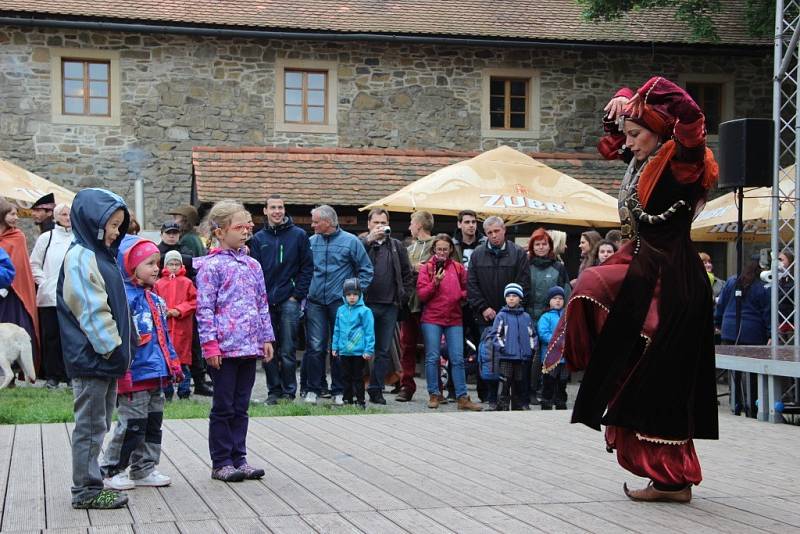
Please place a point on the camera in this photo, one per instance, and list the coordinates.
(439, 265)
(387, 231)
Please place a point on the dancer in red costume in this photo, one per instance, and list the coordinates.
(641, 323)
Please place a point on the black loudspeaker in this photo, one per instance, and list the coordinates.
(746, 153)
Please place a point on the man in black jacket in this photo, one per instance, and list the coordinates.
(491, 267)
(388, 293)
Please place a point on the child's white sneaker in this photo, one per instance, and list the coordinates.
(311, 398)
(338, 400)
(120, 481)
(155, 479)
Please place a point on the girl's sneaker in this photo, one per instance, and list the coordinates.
(250, 472)
(228, 473)
(120, 481)
(105, 500)
(154, 479)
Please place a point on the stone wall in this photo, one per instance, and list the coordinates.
(181, 91)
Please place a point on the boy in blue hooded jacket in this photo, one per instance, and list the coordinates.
(353, 340)
(515, 342)
(554, 383)
(95, 335)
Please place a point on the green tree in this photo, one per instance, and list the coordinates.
(697, 14)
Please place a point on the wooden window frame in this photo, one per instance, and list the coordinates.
(507, 102)
(331, 68)
(532, 129)
(86, 85)
(728, 95)
(304, 88)
(57, 58)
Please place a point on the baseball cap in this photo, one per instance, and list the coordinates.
(170, 226)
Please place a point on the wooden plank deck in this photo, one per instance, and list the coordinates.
(517, 472)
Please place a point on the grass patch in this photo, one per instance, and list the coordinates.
(22, 405)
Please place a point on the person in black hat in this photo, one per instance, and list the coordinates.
(170, 237)
(42, 211)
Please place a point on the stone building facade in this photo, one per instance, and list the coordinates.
(178, 91)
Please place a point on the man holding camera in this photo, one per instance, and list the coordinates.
(391, 285)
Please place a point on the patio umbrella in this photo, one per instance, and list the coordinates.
(718, 221)
(509, 184)
(23, 188)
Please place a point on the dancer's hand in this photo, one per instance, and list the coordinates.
(635, 106)
(615, 107)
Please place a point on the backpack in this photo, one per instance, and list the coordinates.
(487, 363)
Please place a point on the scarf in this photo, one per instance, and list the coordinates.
(14, 242)
(655, 167)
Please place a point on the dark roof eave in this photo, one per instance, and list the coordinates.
(18, 19)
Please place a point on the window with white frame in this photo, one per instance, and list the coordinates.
(305, 96)
(85, 86)
(510, 103)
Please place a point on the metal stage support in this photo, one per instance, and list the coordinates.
(786, 115)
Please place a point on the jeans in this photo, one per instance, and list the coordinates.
(320, 319)
(385, 316)
(281, 371)
(94, 403)
(454, 337)
(228, 421)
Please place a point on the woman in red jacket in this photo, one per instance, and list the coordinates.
(442, 289)
(181, 298)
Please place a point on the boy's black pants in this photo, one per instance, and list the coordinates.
(353, 378)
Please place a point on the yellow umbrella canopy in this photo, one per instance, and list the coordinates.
(509, 184)
(23, 188)
(718, 221)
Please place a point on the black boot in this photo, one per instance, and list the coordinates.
(376, 397)
(203, 390)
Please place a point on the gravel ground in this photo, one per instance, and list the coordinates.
(418, 404)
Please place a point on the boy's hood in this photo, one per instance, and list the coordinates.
(90, 212)
(357, 304)
(128, 240)
(166, 274)
(516, 310)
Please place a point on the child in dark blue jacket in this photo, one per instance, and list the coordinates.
(554, 383)
(353, 340)
(514, 341)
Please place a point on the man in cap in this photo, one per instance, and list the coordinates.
(42, 211)
(188, 218)
(170, 240)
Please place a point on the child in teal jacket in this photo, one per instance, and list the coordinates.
(353, 340)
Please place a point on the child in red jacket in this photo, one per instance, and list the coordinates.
(181, 297)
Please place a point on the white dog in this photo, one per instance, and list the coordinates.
(15, 346)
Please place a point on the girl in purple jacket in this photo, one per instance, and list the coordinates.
(235, 330)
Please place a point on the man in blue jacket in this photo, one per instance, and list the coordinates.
(338, 255)
(283, 251)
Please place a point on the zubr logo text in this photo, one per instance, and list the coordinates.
(519, 201)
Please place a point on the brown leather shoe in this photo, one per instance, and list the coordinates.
(442, 399)
(464, 403)
(651, 494)
(433, 402)
(404, 395)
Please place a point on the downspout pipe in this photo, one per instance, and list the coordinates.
(135, 27)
